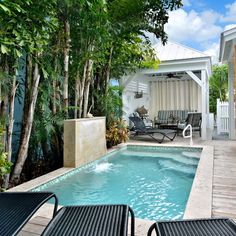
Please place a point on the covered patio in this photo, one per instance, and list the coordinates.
(181, 82)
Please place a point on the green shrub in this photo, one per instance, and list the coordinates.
(5, 165)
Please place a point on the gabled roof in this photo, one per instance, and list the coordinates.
(227, 41)
(175, 51)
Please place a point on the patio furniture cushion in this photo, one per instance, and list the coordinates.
(198, 227)
(165, 116)
(99, 220)
(16, 208)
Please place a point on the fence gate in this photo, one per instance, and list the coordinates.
(222, 117)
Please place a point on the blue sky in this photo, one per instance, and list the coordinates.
(199, 23)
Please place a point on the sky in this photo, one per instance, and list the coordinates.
(199, 23)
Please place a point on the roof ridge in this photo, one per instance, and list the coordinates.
(179, 44)
(176, 51)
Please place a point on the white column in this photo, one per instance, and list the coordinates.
(231, 101)
(204, 112)
(208, 95)
(209, 125)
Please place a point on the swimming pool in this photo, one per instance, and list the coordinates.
(154, 181)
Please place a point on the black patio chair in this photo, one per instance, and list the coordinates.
(141, 129)
(16, 208)
(96, 220)
(195, 120)
(198, 227)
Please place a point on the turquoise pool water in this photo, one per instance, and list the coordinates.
(155, 182)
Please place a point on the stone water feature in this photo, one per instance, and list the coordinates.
(84, 140)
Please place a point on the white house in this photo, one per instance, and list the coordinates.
(180, 83)
(228, 55)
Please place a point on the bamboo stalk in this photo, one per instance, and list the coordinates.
(23, 149)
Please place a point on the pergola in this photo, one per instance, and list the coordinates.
(228, 55)
(180, 82)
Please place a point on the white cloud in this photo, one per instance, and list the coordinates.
(213, 50)
(193, 26)
(230, 15)
(228, 27)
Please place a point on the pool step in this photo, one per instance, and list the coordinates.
(178, 167)
(177, 158)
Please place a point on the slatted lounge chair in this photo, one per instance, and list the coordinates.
(195, 120)
(92, 220)
(141, 129)
(16, 208)
(199, 227)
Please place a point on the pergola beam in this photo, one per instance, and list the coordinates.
(194, 77)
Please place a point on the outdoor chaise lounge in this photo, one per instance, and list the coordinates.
(141, 129)
(198, 227)
(16, 208)
(96, 220)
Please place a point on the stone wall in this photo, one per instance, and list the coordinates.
(84, 140)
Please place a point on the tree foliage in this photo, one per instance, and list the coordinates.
(71, 49)
(218, 84)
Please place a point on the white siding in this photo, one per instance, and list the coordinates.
(130, 103)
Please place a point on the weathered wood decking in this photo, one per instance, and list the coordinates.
(224, 189)
(224, 180)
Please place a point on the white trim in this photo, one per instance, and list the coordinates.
(194, 64)
(231, 102)
(194, 77)
(226, 43)
(204, 114)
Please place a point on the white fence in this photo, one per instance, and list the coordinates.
(222, 117)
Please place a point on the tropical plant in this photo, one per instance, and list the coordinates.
(5, 165)
(109, 105)
(69, 51)
(117, 132)
(218, 86)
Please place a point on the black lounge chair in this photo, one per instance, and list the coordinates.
(16, 208)
(141, 129)
(198, 227)
(92, 220)
(195, 120)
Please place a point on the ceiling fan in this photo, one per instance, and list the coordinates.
(173, 76)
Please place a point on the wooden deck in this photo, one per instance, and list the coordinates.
(224, 190)
(224, 181)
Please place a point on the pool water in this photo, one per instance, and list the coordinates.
(155, 183)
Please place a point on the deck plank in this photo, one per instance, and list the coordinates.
(224, 182)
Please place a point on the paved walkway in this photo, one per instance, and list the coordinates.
(224, 187)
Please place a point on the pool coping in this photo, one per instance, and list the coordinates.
(199, 203)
